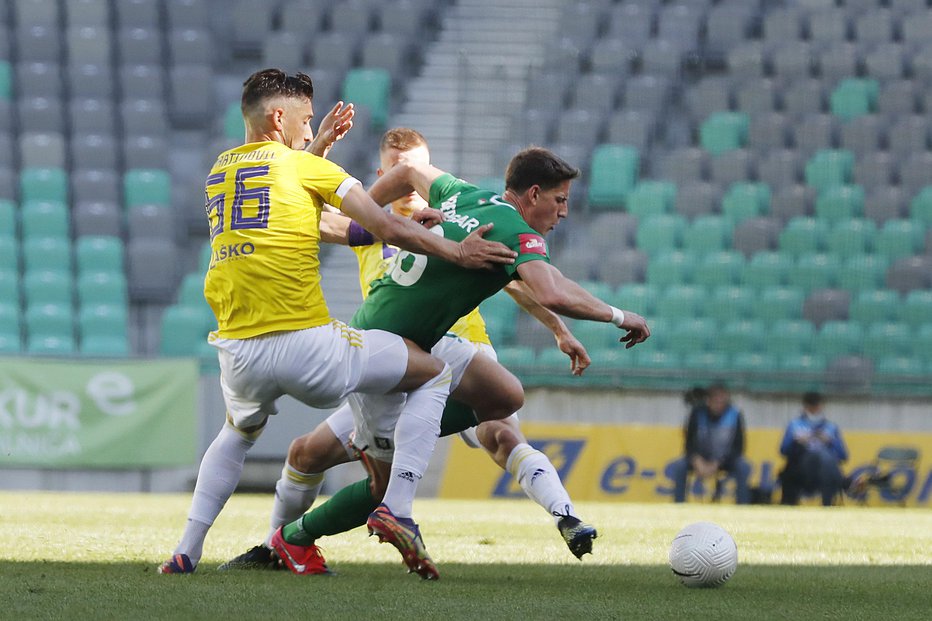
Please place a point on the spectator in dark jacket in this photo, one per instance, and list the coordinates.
(714, 444)
(814, 450)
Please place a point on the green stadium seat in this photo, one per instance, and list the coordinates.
(671, 268)
(500, 305)
(9, 285)
(916, 309)
(183, 329)
(839, 338)
(614, 357)
(613, 174)
(7, 219)
(556, 365)
(729, 303)
(746, 200)
(10, 343)
(866, 271)
(720, 269)
(492, 184)
(45, 219)
(661, 369)
(768, 269)
(105, 346)
(920, 207)
(191, 293)
(851, 237)
(724, 131)
(233, 126)
(814, 271)
(6, 80)
(500, 329)
(902, 375)
(840, 203)
(828, 168)
(640, 298)
(802, 363)
(516, 356)
(680, 301)
(691, 335)
(43, 184)
(96, 288)
(791, 336)
(778, 303)
(660, 233)
(595, 335)
(742, 335)
(660, 328)
(147, 186)
(55, 320)
(203, 262)
(600, 290)
(47, 287)
(761, 363)
(888, 338)
(47, 253)
(103, 320)
(99, 254)
(9, 253)
(854, 97)
(708, 234)
(899, 238)
(11, 319)
(803, 235)
(922, 344)
(50, 345)
(871, 306)
(651, 198)
(712, 362)
(371, 88)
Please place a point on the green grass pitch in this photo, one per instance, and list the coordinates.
(94, 556)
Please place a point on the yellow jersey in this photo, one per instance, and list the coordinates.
(374, 261)
(264, 201)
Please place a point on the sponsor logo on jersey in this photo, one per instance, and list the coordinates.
(231, 251)
(532, 244)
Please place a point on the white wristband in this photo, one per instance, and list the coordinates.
(618, 316)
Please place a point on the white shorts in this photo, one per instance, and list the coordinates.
(375, 416)
(318, 366)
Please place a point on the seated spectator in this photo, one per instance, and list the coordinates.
(714, 444)
(814, 450)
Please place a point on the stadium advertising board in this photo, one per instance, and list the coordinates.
(632, 463)
(70, 413)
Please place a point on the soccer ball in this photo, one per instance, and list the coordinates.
(703, 555)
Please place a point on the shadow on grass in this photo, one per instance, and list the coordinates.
(50, 590)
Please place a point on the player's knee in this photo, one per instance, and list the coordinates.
(305, 456)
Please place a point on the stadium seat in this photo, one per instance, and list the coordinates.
(742, 335)
(780, 167)
(768, 269)
(101, 288)
(152, 269)
(680, 302)
(516, 356)
(140, 13)
(719, 269)
(916, 309)
(839, 203)
(863, 135)
(814, 271)
(691, 334)
(837, 61)
(48, 319)
(191, 96)
(139, 47)
(43, 184)
(829, 168)
(660, 233)
(854, 97)
(650, 198)
(899, 239)
(46, 253)
(888, 338)
(802, 363)
(99, 254)
(103, 320)
(775, 303)
(44, 219)
(874, 169)
(183, 328)
(803, 236)
(746, 200)
(8, 218)
(708, 234)
(851, 237)
(641, 298)
(729, 303)
(146, 187)
(370, 88)
(105, 346)
(910, 273)
(885, 202)
(95, 185)
(613, 174)
(861, 272)
(724, 131)
(93, 151)
(671, 268)
(814, 132)
(839, 338)
(871, 306)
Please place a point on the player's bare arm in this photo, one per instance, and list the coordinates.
(568, 344)
(473, 252)
(561, 295)
(333, 127)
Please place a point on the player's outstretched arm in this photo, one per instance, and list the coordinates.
(568, 344)
(334, 126)
(561, 295)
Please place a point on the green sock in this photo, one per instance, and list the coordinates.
(347, 509)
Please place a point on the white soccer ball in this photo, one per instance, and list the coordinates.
(703, 555)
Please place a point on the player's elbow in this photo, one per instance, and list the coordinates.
(553, 300)
(390, 229)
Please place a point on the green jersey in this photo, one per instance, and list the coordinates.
(420, 297)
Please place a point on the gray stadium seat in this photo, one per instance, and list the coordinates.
(152, 269)
(900, 7)
(728, 25)
(195, 14)
(768, 131)
(780, 167)
(849, 374)
(42, 150)
(547, 91)
(681, 23)
(632, 23)
(710, 95)
(91, 116)
(139, 46)
(190, 45)
(783, 23)
(908, 135)
(731, 167)
(88, 45)
(93, 151)
(144, 117)
(887, 61)
(35, 79)
(747, 60)
(334, 50)
(563, 56)
(387, 51)
(38, 114)
(697, 198)
(596, 92)
(815, 132)
(90, 81)
(897, 98)
(145, 152)
(631, 127)
(826, 305)
(623, 266)
(534, 126)
(191, 94)
(152, 222)
(142, 81)
(661, 56)
(873, 169)
(910, 273)
(8, 184)
(758, 96)
(37, 13)
(137, 13)
(883, 203)
(580, 22)
(283, 49)
(756, 235)
(917, 29)
(838, 61)
(7, 151)
(404, 18)
(251, 22)
(328, 85)
(647, 92)
(353, 17)
(609, 231)
(874, 27)
(793, 60)
(862, 135)
(89, 186)
(611, 54)
(87, 13)
(828, 25)
(792, 201)
(682, 165)
(802, 97)
(39, 44)
(914, 172)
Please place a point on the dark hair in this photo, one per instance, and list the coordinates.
(274, 83)
(716, 388)
(402, 138)
(812, 399)
(537, 166)
(694, 396)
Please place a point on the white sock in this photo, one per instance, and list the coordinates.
(416, 436)
(539, 480)
(295, 492)
(217, 477)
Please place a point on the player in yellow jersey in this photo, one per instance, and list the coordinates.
(274, 334)
(464, 349)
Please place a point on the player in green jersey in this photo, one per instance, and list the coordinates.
(536, 197)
